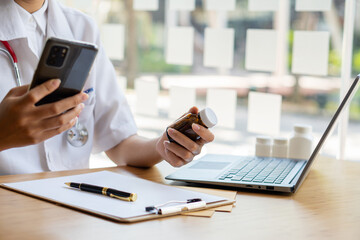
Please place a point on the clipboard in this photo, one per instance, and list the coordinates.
(149, 194)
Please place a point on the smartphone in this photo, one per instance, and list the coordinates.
(69, 61)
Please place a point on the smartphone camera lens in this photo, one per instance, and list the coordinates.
(57, 56)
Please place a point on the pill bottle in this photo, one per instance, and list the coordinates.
(300, 144)
(280, 148)
(263, 146)
(206, 118)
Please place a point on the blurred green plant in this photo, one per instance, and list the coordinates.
(290, 53)
(332, 105)
(334, 63)
(150, 54)
(151, 60)
(356, 62)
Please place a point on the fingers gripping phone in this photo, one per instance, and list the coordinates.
(69, 61)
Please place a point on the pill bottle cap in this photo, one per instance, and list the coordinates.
(208, 117)
(280, 141)
(263, 140)
(302, 128)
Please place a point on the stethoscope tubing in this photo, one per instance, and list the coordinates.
(14, 63)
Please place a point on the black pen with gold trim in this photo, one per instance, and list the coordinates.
(125, 196)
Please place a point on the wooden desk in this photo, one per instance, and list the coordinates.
(327, 206)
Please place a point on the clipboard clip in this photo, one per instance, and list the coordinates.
(190, 204)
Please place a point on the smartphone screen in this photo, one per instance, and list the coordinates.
(70, 62)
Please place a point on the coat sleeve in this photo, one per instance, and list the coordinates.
(113, 120)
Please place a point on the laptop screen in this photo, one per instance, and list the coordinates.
(344, 103)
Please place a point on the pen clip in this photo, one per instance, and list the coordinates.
(121, 198)
(132, 197)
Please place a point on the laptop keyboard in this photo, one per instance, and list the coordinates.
(260, 170)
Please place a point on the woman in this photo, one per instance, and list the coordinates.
(33, 139)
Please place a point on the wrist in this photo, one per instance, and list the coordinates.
(160, 148)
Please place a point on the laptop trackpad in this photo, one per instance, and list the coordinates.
(210, 165)
(207, 168)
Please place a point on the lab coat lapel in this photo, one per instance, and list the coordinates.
(11, 26)
(58, 25)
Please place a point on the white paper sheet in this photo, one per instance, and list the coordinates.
(181, 100)
(311, 53)
(219, 47)
(149, 193)
(147, 91)
(312, 5)
(223, 102)
(182, 5)
(264, 113)
(220, 5)
(180, 45)
(113, 39)
(263, 5)
(261, 46)
(146, 5)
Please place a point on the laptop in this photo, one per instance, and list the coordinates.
(262, 173)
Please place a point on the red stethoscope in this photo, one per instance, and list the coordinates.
(12, 56)
(78, 135)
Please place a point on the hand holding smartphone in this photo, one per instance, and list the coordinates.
(69, 61)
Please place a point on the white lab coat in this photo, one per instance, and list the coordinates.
(106, 114)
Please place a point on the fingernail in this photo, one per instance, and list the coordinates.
(73, 121)
(56, 82)
(166, 143)
(84, 96)
(195, 126)
(82, 106)
(195, 153)
(171, 130)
